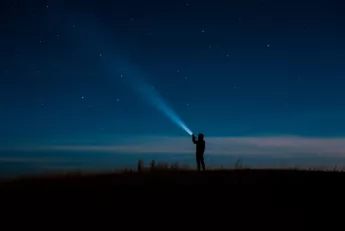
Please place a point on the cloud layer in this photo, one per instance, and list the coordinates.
(268, 146)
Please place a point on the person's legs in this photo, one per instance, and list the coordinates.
(202, 162)
(198, 161)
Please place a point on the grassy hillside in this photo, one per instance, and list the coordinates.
(238, 198)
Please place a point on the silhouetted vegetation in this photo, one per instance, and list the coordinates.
(175, 167)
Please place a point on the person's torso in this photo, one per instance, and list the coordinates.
(200, 147)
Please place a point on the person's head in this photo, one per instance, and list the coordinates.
(201, 136)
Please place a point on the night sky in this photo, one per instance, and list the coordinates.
(261, 79)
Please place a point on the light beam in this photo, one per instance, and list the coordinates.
(121, 61)
(135, 80)
(158, 102)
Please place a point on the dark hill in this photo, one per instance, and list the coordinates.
(281, 199)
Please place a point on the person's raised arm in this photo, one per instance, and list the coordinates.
(194, 139)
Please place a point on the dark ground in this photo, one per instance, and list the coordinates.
(245, 199)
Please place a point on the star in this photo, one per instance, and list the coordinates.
(57, 35)
(202, 31)
(268, 45)
(187, 104)
(73, 26)
(227, 55)
(178, 71)
(41, 41)
(41, 105)
(186, 77)
(47, 6)
(209, 46)
(100, 55)
(187, 4)
(118, 100)
(82, 97)
(90, 105)
(121, 76)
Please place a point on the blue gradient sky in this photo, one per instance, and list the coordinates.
(258, 78)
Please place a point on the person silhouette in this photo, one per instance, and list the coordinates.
(200, 149)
